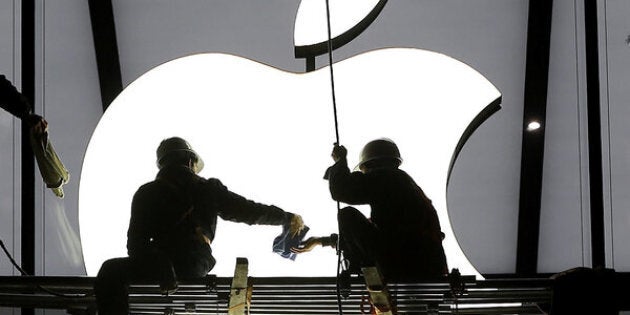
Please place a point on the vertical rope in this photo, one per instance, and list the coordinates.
(332, 75)
(334, 102)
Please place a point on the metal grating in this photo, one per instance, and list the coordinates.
(289, 295)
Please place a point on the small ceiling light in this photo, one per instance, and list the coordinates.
(533, 125)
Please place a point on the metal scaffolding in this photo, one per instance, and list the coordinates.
(288, 295)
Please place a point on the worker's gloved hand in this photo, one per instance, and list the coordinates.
(37, 121)
(339, 152)
(168, 287)
(168, 279)
(313, 242)
(307, 245)
(297, 225)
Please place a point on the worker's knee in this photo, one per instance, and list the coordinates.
(113, 266)
(349, 214)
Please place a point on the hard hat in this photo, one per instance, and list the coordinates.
(177, 144)
(378, 149)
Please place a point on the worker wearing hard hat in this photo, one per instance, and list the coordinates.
(173, 222)
(403, 236)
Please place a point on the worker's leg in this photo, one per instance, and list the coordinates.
(413, 258)
(110, 287)
(359, 238)
(112, 281)
(192, 263)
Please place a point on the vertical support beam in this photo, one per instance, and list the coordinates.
(533, 145)
(28, 163)
(594, 135)
(106, 48)
(27, 238)
(310, 64)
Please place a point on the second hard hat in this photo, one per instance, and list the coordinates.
(379, 149)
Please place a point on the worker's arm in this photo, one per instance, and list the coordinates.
(313, 242)
(13, 101)
(345, 186)
(234, 207)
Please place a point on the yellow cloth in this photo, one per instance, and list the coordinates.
(54, 173)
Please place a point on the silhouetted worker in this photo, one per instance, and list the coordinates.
(403, 236)
(173, 222)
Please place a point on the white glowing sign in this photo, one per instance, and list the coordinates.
(267, 134)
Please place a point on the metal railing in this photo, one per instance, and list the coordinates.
(288, 295)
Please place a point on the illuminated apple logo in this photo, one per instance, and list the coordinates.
(267, 134)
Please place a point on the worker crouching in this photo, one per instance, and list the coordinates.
(402, 237)
(172, 225)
